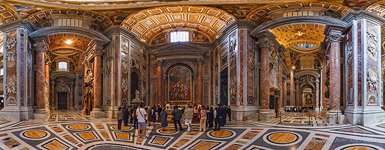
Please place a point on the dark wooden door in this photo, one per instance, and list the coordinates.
(62, 100)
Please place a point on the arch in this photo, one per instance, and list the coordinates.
(299, 20)
(307, 72)
(262, 14)
(92, 34)
(169, 64)
(97, 21)
(7, 14)
(148, 23)
(377, 8)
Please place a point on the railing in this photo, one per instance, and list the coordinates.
(309, 115)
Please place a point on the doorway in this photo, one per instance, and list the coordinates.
(224, 87)
(62, 101)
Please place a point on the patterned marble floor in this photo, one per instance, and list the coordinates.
(103, 135)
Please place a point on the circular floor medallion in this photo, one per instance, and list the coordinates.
(167, 131)
(35, 134)
(124, 128)
(282, 138)
(221, 134)
(359, 147)
(78, 127)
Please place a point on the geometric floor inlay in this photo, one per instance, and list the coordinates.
(35, 134)
(104, 136)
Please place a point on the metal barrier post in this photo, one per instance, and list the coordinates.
(337, 122)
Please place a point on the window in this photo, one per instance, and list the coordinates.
(63, 66)
(69, 22)
(179, 36)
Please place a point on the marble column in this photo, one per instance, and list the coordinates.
(97, 87)
(265, 45)
(297, 93)
(159, 82)
(292, 86)
(317, 100)
(280, 81)
(333, 39)
(47, 83)
(198, 98)
(40, 80)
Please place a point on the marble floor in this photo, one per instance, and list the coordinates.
(101, 135)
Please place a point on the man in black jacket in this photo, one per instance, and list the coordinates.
(218, 117)
(125, 115)
(177, 116)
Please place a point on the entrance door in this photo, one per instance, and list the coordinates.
(62, 100)
(224, 87)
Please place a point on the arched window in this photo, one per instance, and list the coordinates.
(63, 66)
(179, 36)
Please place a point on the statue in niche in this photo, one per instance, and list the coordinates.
(233, 45)
(273, 75)
(88, 90)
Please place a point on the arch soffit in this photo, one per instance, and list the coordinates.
(259, 15)
(304, 85)
(137, 71)
(99, 19)
(92, 34)
(150, 22)
(299, 20)
(65, 74)
(7, 14)
(177, 46)
(302, 73)
(377, 8)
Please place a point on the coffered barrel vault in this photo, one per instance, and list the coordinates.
(148, 23)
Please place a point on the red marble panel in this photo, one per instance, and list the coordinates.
(11, 72)
(349, 54)
(359, 63)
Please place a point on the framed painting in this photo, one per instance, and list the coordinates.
(179, 86)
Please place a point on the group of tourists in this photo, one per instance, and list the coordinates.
(140, 117)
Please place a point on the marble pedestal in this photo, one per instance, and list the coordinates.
(241, 113)
(335, 117)
(111, 112)
(41, 114)
(97, 113)
(16, 113)
(365, 118)
(266, 114)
